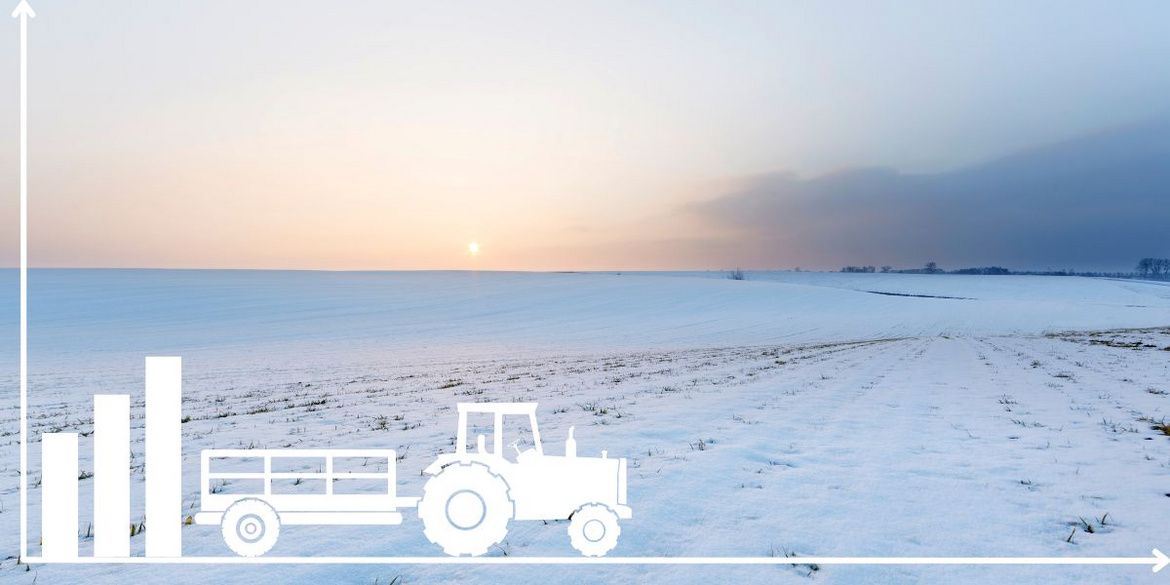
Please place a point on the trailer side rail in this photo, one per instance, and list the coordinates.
(325, 501)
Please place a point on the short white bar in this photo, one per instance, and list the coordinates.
(59, 496)
(111, 475)
(164, 456)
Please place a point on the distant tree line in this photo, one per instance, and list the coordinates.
(929, 268)
(986, 270)
(1147, 268)
(1154, 267)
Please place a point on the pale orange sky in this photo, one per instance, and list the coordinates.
(388, 136)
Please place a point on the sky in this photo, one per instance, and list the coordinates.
(590, 136)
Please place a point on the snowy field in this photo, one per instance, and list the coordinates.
(791, 414)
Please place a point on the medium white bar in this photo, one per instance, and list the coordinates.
(59, 495)
(111, 475)
(164, 456)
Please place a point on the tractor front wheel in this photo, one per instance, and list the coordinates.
(466, 509)
(594, 530)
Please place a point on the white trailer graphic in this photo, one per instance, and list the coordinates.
(250, 493)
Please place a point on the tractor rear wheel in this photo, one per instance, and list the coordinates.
(465, 509)
(594, 530)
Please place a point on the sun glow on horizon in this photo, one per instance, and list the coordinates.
(473, 248)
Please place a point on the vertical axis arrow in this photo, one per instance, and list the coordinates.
(23, 12)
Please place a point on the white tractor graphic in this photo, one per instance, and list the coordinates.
(466, 505)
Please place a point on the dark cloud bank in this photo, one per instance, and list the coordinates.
(1100, 201)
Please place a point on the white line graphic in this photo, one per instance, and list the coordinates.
(111, 475)
(59, 495)
(23, 12)
(1157, 561)
(164, 456)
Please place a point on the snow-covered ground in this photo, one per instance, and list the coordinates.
(794, 413)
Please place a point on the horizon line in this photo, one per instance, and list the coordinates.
(943, 270)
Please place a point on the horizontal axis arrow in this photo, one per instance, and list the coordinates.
(1157, 561)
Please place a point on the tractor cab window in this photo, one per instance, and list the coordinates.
(518, 437)
(480, 427)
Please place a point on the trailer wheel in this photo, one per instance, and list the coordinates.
(465, 509)
(250, 527)
(594, 530)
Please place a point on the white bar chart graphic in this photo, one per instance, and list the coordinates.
(164, 456)
(111, 475)
(112, 517)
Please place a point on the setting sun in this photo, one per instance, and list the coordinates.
(473, 248)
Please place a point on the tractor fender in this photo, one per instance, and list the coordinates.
(448, 458)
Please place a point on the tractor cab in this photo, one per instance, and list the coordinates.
(515, 435)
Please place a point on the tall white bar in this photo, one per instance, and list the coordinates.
(164, 456)
(59, 496)
(111, 475)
